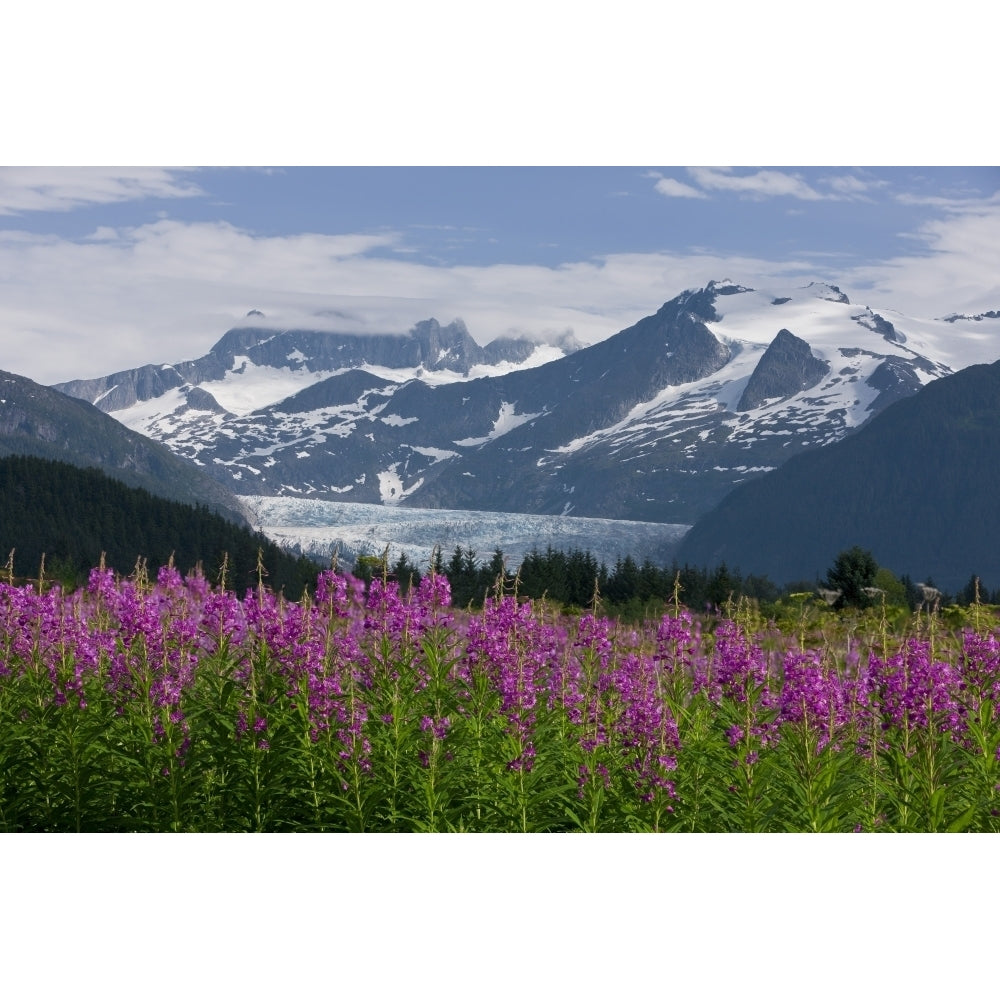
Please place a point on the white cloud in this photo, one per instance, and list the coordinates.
(168, 290)
(677, 189)
(948, 203)
(60, 189)
(103, 234)
(958, 269)
(853, 186)
(762, 184)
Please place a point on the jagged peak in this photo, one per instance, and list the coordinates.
(700, 302)
(787, 366)
(426, 328)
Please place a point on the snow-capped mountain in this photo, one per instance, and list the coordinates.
(656, 423)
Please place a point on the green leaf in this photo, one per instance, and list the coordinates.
(962, 822)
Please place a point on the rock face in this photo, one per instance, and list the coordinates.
(446, 347)
(893, 381)
(787, 366)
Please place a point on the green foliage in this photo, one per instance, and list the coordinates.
(893, 588)
(852, 573)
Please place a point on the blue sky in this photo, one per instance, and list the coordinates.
(448, 216)
(106, 268)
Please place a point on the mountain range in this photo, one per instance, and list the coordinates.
(784, 424)
(658, 422)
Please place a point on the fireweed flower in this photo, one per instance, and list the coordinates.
(567, 681)
(812, 695)
(331, 591)
(223, 622)
(60, 642)
(321, 667)
(439, 727)
(515, 653)
(736, 672)
(644, 725)
(139, 645)
(914, 692)
(735, 678)
(677, 642)
(593, 638)
(980, 671)
(438, 730)
(393, 628)
(433, 598)
(589, 679)
(385, 610)
(738, 668)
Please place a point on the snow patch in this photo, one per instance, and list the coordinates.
(507, 420)
(390, 486)
(247, 387)
(437, 454)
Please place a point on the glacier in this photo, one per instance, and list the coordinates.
(323, 529)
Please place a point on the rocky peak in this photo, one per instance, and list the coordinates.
(449, 346)
(787, 366)
(880, 325)
(240, 339)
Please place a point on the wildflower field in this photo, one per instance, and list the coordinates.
(129, 705)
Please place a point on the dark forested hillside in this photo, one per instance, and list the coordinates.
(36, 420)
(73, 515)
(917, 486)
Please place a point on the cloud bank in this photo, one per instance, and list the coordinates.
(168, 290)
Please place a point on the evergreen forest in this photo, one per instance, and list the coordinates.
(75, 516)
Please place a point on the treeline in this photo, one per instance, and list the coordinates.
(575, 579)
(632, 589)
(73, 515)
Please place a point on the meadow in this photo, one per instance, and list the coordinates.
(174, 704)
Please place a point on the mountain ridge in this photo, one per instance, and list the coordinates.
(658, 422)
